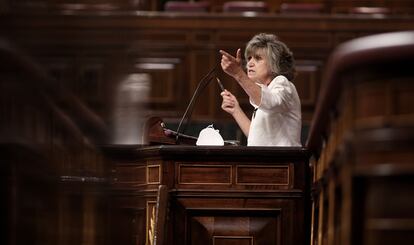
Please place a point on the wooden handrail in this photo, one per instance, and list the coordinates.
(375, 49)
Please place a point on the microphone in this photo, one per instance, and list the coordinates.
(201, 85)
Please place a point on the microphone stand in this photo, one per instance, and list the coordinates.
(201, 85)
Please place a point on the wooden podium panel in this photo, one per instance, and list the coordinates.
(218, 195)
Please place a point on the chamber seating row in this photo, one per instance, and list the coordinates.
(263, 7)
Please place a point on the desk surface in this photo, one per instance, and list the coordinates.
(126, 152)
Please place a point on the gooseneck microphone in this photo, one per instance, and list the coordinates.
(201, 85)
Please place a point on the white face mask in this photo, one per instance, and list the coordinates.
(210, 136)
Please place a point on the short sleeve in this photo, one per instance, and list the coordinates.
(277, 96)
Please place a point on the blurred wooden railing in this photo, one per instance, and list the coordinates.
(53, 176)
(32, 84)
(362, 139)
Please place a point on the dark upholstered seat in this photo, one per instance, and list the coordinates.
(301, 8)
(245, 6)
(181, 6)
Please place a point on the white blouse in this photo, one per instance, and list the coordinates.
(277, 120)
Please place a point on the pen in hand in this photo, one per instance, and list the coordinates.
(220, 84)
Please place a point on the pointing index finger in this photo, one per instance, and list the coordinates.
(227, 54)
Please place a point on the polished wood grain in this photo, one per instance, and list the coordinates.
(220, 195)
(362, 143)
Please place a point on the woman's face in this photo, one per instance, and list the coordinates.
(258, 67)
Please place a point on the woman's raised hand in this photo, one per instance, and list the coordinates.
(230, 64)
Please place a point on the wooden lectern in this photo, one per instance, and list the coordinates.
(212, 195)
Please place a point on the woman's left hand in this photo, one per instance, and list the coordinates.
(230, 103)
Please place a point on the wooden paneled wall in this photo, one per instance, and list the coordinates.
(92, 53)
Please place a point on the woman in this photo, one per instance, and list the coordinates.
(276, 119)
